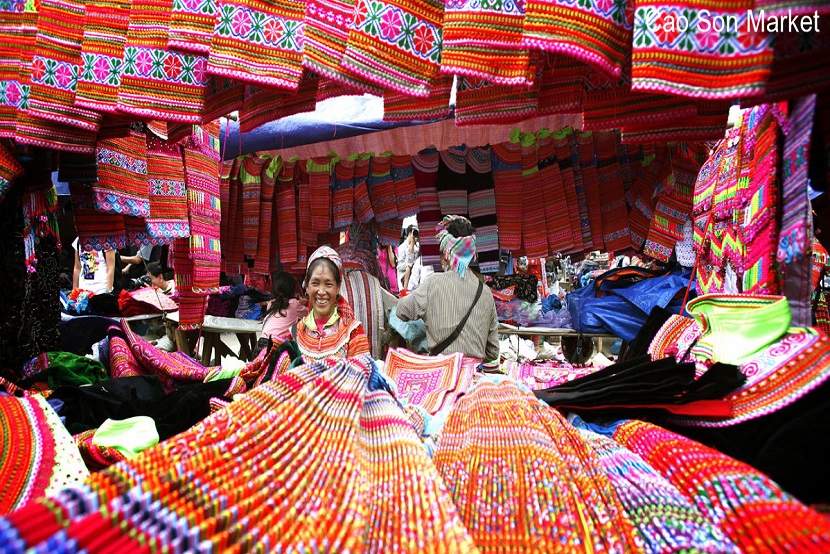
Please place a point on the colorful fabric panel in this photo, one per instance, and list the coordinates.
(562, 141)
(10, 169)
(590, 182)
(362, 202)
(95, 230)
(191, 25)
(507, 182)
(534, 229)
(342, 194)
(287, 213)
(168, 217)
(398, 106)
(451, 184)
(363, 292)
(223, 96)
(560, 238)
(561, 86)
(267, 239)
(102, 54)
(381, 188)
(320, 176)
(481, 197)
(192, 305)
(478, 102)
(423, 380)
(579, 187)
(18, 30)
(425, 170)
(122, 176)
(250, 178)
(406, 193)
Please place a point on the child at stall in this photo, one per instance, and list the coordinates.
(285, 309)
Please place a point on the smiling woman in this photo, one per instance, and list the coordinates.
(330, 328)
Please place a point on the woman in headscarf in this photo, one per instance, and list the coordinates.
(330, 328)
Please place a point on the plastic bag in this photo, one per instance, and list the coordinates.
(530, 314)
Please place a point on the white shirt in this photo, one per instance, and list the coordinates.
(407, 259)
(93, 275)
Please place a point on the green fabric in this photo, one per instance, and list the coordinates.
(226, 372)
(128, 436)
(66, 368)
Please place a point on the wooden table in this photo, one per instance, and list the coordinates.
(246, 330)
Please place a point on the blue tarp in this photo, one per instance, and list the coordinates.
(335, 118)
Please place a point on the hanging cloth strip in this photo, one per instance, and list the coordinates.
(562, 145)
(225, 229)
(250, 179)
(708, 124)
(381, 188)
(482, 201)
(389, 232)
(320, 174)
(222, 97)
(102, 54)
(96, 230)
(263, 104)
(10, 169)
(18, 28)
(483, 41)
(286, 208)
(593, 33)
(561, 86)
(729, 493)
(560, 238)
(382, 51)
(669, 61)
(122, 176)
(326, 36)
(406, 193)
(402, 107)
(590, 183)
(202, 168)
(478, 102)
(168, 197)
(157, 82)
(507, 182)
(342, 194)
(641, 203)
(308, 236)
(259, 42)
(795, 204)
(267, 239)
(233, 252)
(56, 64)
(579, 188)
(534, 229)
(425, 171)
(191, 26)
(192, 305)
(362, 202)
(451, 183)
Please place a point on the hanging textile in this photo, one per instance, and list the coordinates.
(561, 86)
(489, 435)
(560, 238)
(507, 182)
(102, 54)
(308, 236)
(10, 169)
(362, 203)
(381, 188)
(96, 230)
(18, 29)
(590, 183)
(167, 191)
(483, 41)
(250, 178)
(669, 61)
(396, 45)
(191, 25)
(794, 238)
(329, 88)
(233, 252)
(192, 305)
(225, 229)
(478, 102)
(425, 171)
(708, 124)
(56, 64)
(267, 237)
(287, 213)
(49, 134)
(320, 174)
(562, 140)
(728, 492)
(342, 194)
(389, 231)
(406, 193)
(258, 42)
(534, 229)
(202, 168)
(222, 97)
(121, 187)
(157, 82)
(398, 106)
(263, 104)
(451, 183)
(326, 36)
(481, 197)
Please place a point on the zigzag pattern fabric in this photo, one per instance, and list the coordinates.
(168, 217)
(122, 176)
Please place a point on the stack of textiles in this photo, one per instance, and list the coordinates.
(262, 475)
(541, 375)
(431, 382)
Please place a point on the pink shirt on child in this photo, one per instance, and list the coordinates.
(276, 324)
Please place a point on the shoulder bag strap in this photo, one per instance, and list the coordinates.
(457, 331)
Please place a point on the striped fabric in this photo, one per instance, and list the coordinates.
(192, 305)
(561, 85)
(17, 42)
(615, 230)
(49, 134)
(224, 203)
(507, 182)
(396, 45)
(342, 194)
(135, 230)
(481, 197)
(263, 104)
(329, 88)
(389, 231)
(666, 61)
(222, 97)
(362, 202)
(122, 176)
(406, 193)
(233, 251)
(10, 169)
(157, 82)
(402, 107)
(382, 188)
(595, 33)
(320, 176)
(268, 238)
(534, 228)
(191, 25)
(326, 36)
(95, 230)
(202, 173)
(56, 63)
(560, 237)
(168, 197)
(287, 213)
(579, 187)
(425, 171)
(708, 124)
(483, 41)
(343, 339)
(250, 178)
(258, 42)
(562, 146)
(641, 203)
(363, 292)
(478, 102)
(308, 237)
(452, 181)
(588, 169)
